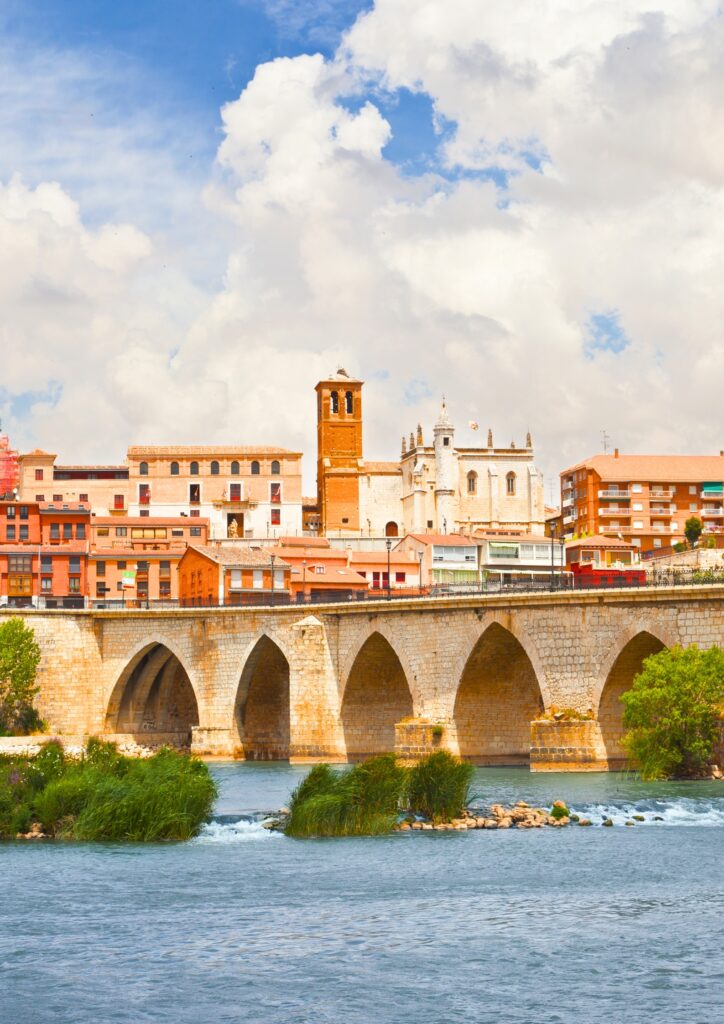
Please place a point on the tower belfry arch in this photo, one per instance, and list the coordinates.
(339, 451)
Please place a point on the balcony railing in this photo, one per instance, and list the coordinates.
(719, 493)
(712, 513)
(612, 512)
(658, 511)
(569, 519)
(144, 499)
(614, 494)
(661, 492)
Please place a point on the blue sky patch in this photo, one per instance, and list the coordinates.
(604, 333)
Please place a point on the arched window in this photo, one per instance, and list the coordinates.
(194, 469)
(510, 483)
(391, 530)
(143, 469)
(472, 482)
(255, 470)
(174, 469)
(214, 468)
(275, 468)
(234, 468)
(334, 402)
(348, 402)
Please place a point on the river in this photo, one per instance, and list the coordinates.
(545, 926)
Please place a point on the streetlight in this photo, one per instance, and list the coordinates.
(421, 556)
(271, 559)
(304, 580)
(388, 545)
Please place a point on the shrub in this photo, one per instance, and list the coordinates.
(671, 711)
(361, 801)
(692, 529)
(19, 659)
(559, 810)
(439, 786)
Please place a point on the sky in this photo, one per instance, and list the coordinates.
(207, 207)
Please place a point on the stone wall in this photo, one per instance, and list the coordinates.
(337, 683)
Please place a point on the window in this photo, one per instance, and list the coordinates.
(55, 531)
(40, 497)
(38, 474)
(164, 588)
(234, 468)
(143, 469)
(334, 402)
(23, 511)
(472, 483)
(693, 506)
(148, 532)
(275, 493)
(82, 497)
(657, 542)
(276, 517)
(275, 468)
(46, 584)
(194, 494)
(195, 531)
(164, 568)
(57, 497)
(255, 468)
(636, 488)
(258, 579)
(73, 585)
(100, 568)
(214, 467)
(80, 531)
(177, 533)
(320, 569)
(23, 533)
(446, 441)
(20, 586)
(119, 501)
(120, 565)
(20, 563)
(174, 469)
(144, 494)
(194, 469)
(46, 563)
(144, 513)
(121, 531)
(429, 524)
(510, 483)
(67, 531)
(637, 506)
(10, 532)
(74, 564)
(100, 589)
(10, 513)
(348, 402)
(234, 492)
(400, 577)
(195, 513)
(235, 583)
(638, 524)
(692, 488)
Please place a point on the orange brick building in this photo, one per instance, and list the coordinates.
(318, 570)
(645, 499)
(43, 554)
(231, 574)
(339, 452)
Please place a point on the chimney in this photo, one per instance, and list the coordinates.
(615, 453)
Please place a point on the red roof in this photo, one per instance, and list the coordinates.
(455, 540)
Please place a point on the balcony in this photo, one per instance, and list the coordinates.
(719, 493)
(569, 519)
(662, 512)
(613, 512)
(144, 499)
(661, 492)
(715, 512)
(607, 494)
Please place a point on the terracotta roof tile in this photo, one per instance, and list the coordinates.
(238, 555)
(442, 539)
(654, 468)
(169, 450)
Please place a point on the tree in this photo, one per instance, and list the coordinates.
(672, 711)
(692, 529)
(19, 658)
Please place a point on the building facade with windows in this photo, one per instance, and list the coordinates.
(105, 488)
(43, 554)
(438, 487)
(645, 499)
(231, 574)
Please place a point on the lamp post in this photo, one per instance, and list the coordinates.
(388, 545)
(553, 537)
(563, 555)
(271, 559)
(304, 580)
(421, 556)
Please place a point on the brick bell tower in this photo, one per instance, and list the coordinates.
(339, 452)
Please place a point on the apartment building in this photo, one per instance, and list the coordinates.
(232, 574)
(104, 487)
(43, 554)
(645, 499)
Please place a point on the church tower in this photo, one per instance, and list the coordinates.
(445, 472)
(339, 452)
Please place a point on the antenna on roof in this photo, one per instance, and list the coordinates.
(606, 441)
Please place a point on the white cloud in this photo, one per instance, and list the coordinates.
(422, 285)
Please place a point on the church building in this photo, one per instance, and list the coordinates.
(431, 488)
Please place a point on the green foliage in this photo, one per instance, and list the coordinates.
(361, 801)
(439, 786)
(671, 711)
(104, 795)
(679, 546)
(19, 659)
(708, 576)
(559, 810)
(692, 529)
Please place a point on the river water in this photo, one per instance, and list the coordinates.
(580, 925)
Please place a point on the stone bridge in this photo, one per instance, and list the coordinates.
(476, 675)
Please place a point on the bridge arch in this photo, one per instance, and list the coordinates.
(262, 722)
(497, 697)
(622, 666)
(154, 694)
(376, 696)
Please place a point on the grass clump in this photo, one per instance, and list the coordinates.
(438, 786)
(104, 795)
(364, 800)
(367, 799)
